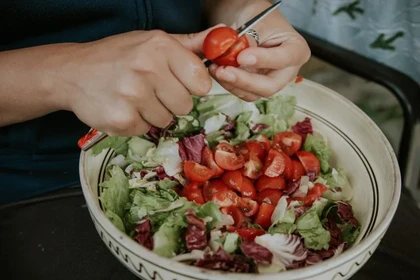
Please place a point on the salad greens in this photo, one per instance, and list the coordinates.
(149, 194)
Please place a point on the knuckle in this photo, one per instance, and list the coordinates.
(164, 121)
(122, 123)
(161, 40)
(186, 107)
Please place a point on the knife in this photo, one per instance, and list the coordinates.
(94, 136)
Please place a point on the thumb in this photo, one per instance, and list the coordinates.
(194, 41)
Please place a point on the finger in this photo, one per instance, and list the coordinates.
(289, 53)
(189, 70)
(194, 41)
(244, 95)
(174, 96)
(126, 121)
(154, 112)
(261, 85)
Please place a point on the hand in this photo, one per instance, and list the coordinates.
(123, 84)
(269, 67)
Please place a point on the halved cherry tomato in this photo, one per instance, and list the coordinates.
(212, 187)
(241, 149)
(208, 161)
(269, 196)
(196, 172)
(264, 141)
(288, 169)
(253, 168)
(309, 161)
(247, 189)
(228, 58)
(249, 233)
(263, 217)
(226, 199)
(288, 142)
(265, 182)
(225, 147)
(218, 41)
(256, 148)
(249, 207)
(192, 192)
(275, 163)
(297, 169)
(236, 214)
(228, 161)
(314, 193)
(233, 179)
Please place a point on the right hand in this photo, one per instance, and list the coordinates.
(122, 84)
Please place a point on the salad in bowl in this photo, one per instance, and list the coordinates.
(233, 186)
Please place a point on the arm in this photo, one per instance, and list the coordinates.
(26, 84)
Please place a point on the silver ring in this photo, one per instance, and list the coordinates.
(254, 34)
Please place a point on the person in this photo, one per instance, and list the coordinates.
(119, 67)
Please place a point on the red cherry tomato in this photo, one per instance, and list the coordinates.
(275, 163)
(313, 194)
(226, 199)
(249, 233)
(207, 160)
(247, 189)
(253, 168)
(196, 172)
(225, 147)
(229, 57)
(263, 217)
(288, 169)
(249, 207)
(241, 149)
(233, 179)
(269, 196)
(264, 141)
(192, 192)
(265, 182)
(309, 161)
(218, 41)
(236, 214)
(297, 169)
(228, 161)
(256, 148)
(287, 142)
(213, 187)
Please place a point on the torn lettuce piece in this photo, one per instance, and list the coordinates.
(231, 242)
(283, 106)
(283, 218)
(339, 187)
(309, 226)
(167, 240)
(115, 194)
(185, 125)
(167, 155)
(316, 145)
(210, 212)
(115, 220)
(269, 125)
(214, 123)
(119, 144)
(214, 138)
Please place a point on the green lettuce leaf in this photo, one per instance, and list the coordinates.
(185, 125)
(167, 240)
(119, 144)
(310, 228)
(283, 106)
(115, 219)
(115, 194)
(212, 210)
(350, 233)
(317, 146)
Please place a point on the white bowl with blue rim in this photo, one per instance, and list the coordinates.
(359, 147)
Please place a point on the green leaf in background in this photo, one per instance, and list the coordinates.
(119, 144)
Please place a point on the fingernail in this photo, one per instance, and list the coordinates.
(228, 76)
(249, 60)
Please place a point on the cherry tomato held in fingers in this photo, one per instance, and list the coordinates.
(222, 45)
(207, 159)
(249, 233)
(196, 172)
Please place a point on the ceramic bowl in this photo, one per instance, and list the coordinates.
(359, 147)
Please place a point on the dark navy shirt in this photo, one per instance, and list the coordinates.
(42, 154)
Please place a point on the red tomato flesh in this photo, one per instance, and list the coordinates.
(309, 161)
(196, 172)
(218, 41)
(275, 163)
(265, 182)
(263, 217)
(213, 187)
(207, 160)
(269, 196)
(233, 179)
(287, 142)
(229, 57)
(236, 214)
(192, 192)
(253, 168)
(249, 233)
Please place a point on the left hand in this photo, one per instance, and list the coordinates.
(267, 68)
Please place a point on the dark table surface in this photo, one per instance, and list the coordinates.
(53, 237)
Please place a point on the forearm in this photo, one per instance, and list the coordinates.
(27, 83)
(237, 12)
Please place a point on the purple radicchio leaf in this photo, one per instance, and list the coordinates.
(143, 234)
